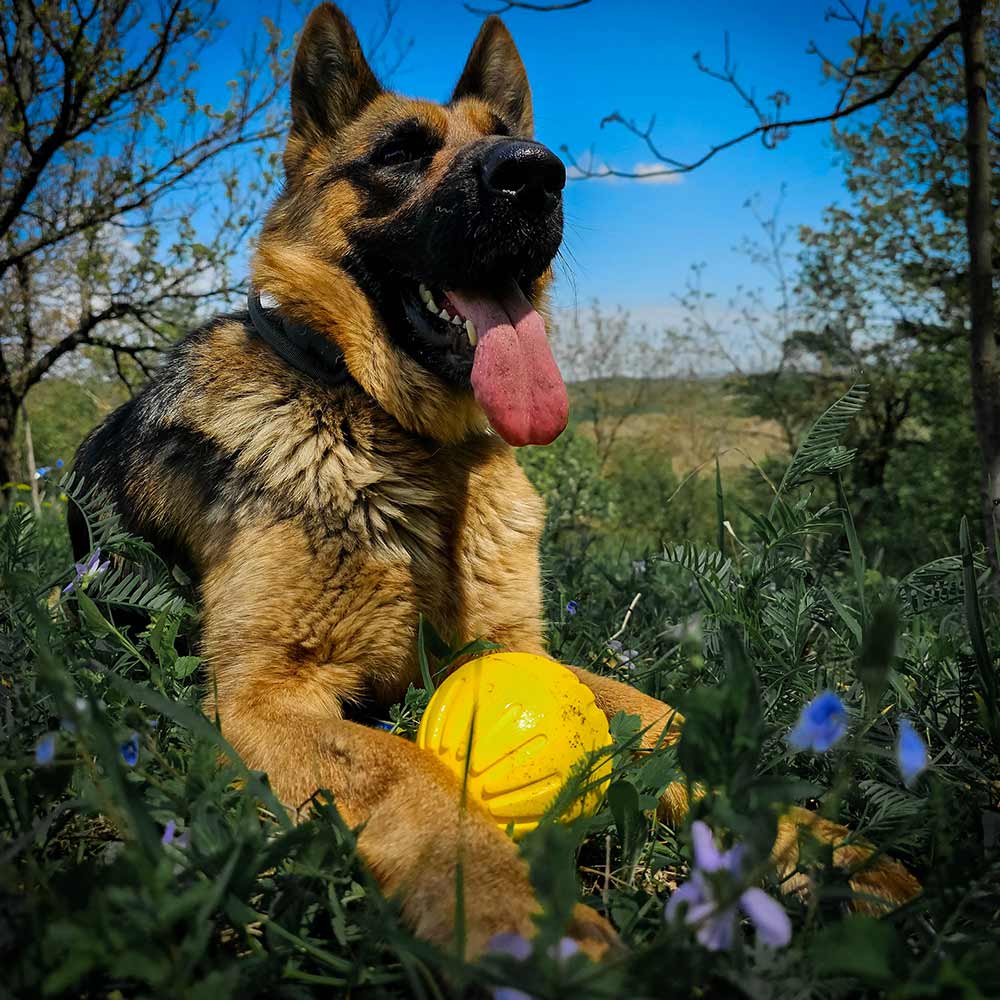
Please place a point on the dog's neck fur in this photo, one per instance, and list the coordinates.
(419, 400)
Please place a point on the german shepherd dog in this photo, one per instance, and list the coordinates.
(338, 461)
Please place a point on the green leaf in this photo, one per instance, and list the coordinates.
(857, 946)
(821, 452)
(721, 741)
(184, 666)
(623, 800)
(977, 636)
(92, 616)
(878, 649)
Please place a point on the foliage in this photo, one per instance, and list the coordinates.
(181, 875)
(122, 199)
(885, 279)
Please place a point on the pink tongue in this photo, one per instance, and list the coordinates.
(514, 376)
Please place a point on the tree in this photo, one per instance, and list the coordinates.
(121, 200)
(891, 270)
(891, 59)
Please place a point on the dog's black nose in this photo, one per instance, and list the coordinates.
(526, 173)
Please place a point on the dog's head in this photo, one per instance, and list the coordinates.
(420, 236)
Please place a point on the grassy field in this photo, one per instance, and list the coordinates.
(139, 857)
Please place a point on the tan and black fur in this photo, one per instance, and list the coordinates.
(319, 522)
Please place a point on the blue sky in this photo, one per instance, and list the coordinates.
(632, 243)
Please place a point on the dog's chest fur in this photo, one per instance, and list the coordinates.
(357, 526)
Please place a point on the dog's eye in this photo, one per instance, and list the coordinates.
(402, 151)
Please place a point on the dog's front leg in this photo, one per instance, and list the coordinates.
(660, 723)
(414, 829)
(287, 642)
(883, 877)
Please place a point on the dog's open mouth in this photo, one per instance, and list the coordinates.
(514, 376)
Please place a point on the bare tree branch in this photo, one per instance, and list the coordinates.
(777, 129)
(507, 5)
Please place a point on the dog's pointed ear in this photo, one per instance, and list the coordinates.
(331, 79)
(495, 73)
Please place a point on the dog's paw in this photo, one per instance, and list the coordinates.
(595, 935)
(882, 883)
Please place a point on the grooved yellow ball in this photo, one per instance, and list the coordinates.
(525, 723)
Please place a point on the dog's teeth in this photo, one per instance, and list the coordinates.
(470, 329)
(455, 321)
(425, 294)
(444, 315)
(429, 306)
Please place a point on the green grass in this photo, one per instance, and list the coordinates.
(738, 636)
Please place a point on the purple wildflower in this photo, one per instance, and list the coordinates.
(624, 657)
(716, 925)
(85, 572)
(823, 723)
(520, 948)
(170, 835)
(911, 752)
(130, 750)
(46, 750)
(572, 607)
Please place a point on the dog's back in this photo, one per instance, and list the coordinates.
(144, 453)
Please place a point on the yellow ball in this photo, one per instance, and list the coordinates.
(529, 723)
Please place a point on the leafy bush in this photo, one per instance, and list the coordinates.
(140, 857)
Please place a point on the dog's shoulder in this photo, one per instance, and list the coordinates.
(145, 452)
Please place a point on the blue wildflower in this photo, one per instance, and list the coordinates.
(85, 572)
(130, 750)
(823, 723)
(42, 471)
(572, 607)
(716, 925)
(911, 752)
(46, 750)
(59, 463)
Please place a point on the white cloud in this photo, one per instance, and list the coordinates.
(599, 170)
(652, 173)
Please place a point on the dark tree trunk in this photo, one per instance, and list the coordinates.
(985, 350)
(8, 453)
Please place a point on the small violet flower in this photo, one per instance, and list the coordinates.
(911, 752)
(716, 926)
(85, 572)
(624, 657)
(572, 607)
(130, 750)
(823, 723)
(170, 835)
(521, 948)
(46, 750)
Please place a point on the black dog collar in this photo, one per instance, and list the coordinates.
(303, 348)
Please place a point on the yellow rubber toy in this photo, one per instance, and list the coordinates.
(529, 722)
